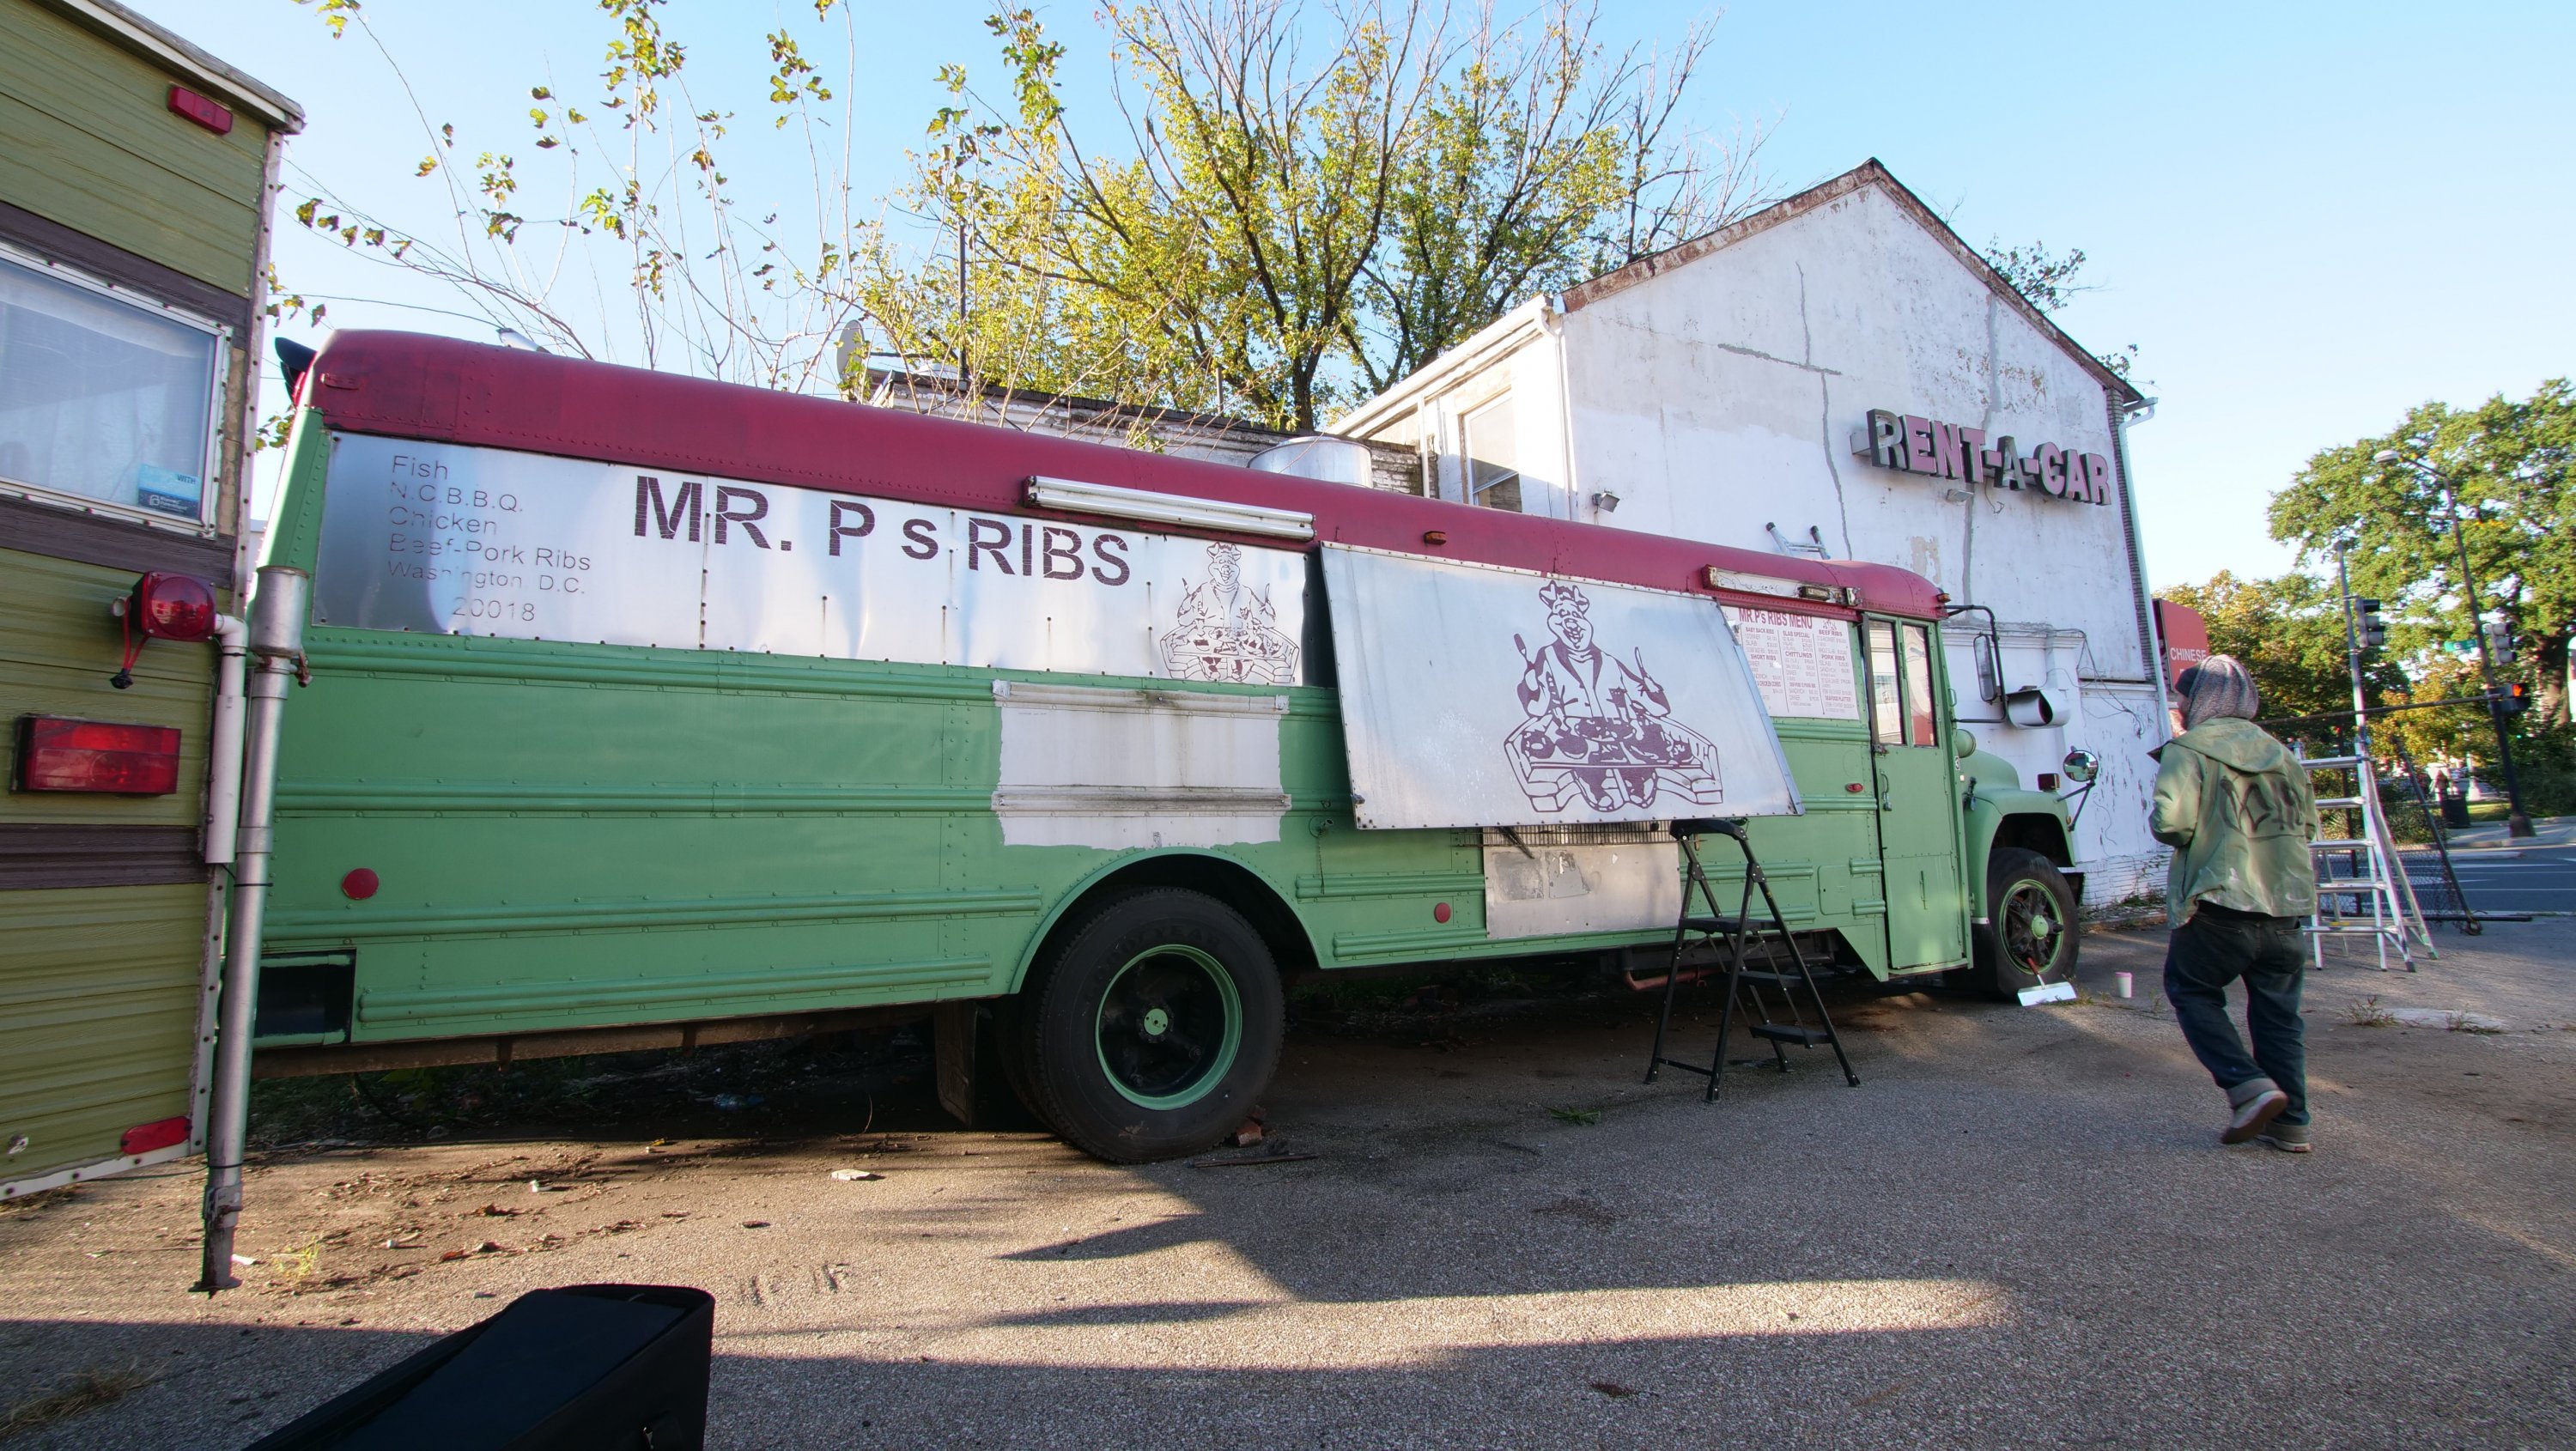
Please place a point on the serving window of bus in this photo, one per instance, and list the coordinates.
(1900, 684)
(107, 401)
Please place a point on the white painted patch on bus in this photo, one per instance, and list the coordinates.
(1121, 769)
(1541, 880)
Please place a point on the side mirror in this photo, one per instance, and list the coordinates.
(1963, 742)
(2081, 765)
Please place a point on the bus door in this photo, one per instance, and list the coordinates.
(1918, 799)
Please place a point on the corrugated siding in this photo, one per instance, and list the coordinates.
(58, 645)
(87, 139)
(98, 985)
(98, 1017)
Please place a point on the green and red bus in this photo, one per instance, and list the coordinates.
(644, 710)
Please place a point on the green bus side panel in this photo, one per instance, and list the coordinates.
(98, 1018)
(585, 835)
(1823, 865)
(58, 646)
(87, 139)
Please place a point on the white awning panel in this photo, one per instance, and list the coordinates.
(1478, 696)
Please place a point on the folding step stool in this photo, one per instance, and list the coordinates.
(1738, 934)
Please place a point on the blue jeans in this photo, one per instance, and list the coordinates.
(2217, 947)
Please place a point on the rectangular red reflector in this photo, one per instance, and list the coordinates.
(197, 108)
(159, 1134)
(55, 754)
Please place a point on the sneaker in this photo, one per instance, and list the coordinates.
(2255, 1115)
(2288, 1138)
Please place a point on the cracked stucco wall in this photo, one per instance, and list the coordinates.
(1719, 399)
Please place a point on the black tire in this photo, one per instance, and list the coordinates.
(1152, 1033)
(2030, 934)
(1010, 1034)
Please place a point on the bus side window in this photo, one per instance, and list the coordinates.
(1918, 685)
(1887, 720)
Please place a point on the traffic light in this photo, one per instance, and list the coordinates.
(2516, 698)
(2499, 641)
(2373, 629)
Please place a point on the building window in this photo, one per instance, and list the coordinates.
(103, 399)
(1489, 450)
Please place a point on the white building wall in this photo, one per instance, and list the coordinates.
(1721, 397)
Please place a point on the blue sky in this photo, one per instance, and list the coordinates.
(2308, 217)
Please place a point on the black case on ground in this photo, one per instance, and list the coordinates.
(582, 1368)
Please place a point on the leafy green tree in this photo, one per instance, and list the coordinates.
(610, 228)
(1286, 204)
(2502, 470)
(1290, 207)
(2289, 633)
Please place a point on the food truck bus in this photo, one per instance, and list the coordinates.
(644, 710)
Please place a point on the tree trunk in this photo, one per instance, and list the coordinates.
(2549, 665)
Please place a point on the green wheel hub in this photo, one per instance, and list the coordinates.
(2029, 929)
(1170, 1026)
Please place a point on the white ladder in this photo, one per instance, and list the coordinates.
(2393, 918)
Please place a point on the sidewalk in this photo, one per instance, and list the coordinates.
(2485, 836)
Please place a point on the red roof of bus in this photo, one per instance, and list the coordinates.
(408, 385)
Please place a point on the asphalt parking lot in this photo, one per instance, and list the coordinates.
(2019, 1230)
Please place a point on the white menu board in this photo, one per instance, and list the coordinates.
(1801, 663)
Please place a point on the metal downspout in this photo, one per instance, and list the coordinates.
(2149, 637)
(277, 639)
(223, 825)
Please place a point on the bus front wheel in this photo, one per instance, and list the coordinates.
(2030, 933)
(1152, 1032)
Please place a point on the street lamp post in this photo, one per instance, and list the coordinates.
(2516, 824)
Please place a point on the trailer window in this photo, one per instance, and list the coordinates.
(1887, 718)
(103, 398)
(1918, 685)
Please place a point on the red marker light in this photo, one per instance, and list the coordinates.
(55, 754)
(1440, 913)
(158, 1134)
(173, 607)
(206, 113)
(2048, 780)
(359, 885)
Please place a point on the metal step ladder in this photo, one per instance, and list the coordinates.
(1737, 937)
(2371, 873)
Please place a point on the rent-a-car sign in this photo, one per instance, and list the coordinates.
(1956, 451)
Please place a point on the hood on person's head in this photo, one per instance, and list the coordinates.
(2215, 688)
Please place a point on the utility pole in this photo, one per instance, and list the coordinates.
(2352, 651)
(2516, 824)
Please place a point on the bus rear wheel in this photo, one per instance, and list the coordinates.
(2030, 935)
(1152, 1032)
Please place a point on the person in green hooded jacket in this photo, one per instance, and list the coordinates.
(2234, 805)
